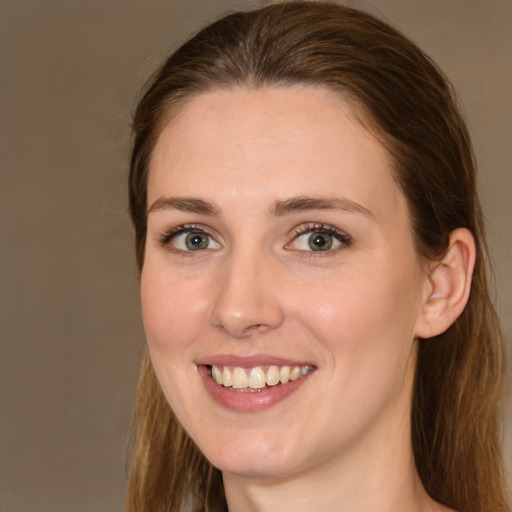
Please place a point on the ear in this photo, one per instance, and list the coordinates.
(449, 284)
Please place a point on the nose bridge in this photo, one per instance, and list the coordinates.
(247, 300)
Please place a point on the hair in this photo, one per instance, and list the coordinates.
(407, 101)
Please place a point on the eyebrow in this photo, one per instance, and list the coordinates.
(281, 208)
(304, 203)
(185, 204)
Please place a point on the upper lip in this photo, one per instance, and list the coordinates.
(249, 361)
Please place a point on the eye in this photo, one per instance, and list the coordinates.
(316, 241)
(185, 239)
(319, 238)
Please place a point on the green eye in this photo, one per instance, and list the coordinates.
(319, 238)
(196, 241)
(320, 241)
(187, 241)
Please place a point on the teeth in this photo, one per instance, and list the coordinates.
(217, 375)
(226, 376)
(284, 374)
(295, 373)
(239, 379)
(272, 376)
(256, 378)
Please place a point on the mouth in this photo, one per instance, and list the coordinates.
(258, 378)
(252, 384)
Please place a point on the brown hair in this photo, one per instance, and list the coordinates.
(407, 100)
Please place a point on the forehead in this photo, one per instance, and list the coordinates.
(269, 144)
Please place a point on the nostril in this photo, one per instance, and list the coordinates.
(244, 307)
(241, 331)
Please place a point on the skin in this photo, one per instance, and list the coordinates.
(341, 441)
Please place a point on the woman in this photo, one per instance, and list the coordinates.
(313, 276)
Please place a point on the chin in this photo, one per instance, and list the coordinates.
(249, 455)
(255, 467)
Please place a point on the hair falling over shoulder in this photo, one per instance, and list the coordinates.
(403, 97)
(168, 472)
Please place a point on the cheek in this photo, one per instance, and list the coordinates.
(172, 315)
(364, 317)
(364, 327)
(172, 311)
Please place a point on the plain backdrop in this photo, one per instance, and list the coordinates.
(70, 326)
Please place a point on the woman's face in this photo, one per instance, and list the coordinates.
(279, 254)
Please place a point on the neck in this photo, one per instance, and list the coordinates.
(328, 491)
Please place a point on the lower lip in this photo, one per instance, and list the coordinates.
(247, 401)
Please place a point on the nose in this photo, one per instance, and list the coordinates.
(248, 299)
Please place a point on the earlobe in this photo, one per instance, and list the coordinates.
(449, 285)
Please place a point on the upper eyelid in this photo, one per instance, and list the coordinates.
(319, 227)
(184, 228)
(297, 230)
(169, 234)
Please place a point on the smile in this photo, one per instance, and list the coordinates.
(257, 378)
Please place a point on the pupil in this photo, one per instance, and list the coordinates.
(196, 241)
(320, 242)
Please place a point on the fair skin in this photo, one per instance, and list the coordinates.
(277, 237)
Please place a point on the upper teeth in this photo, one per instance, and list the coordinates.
(257, 378)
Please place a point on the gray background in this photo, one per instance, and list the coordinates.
(70, 325)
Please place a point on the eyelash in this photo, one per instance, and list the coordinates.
(344, 239)
(166, 238)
